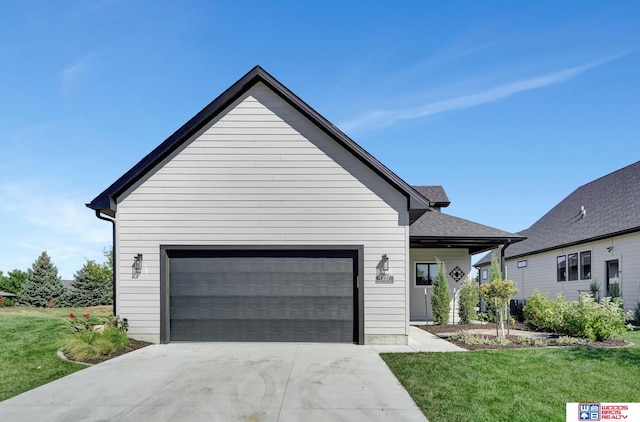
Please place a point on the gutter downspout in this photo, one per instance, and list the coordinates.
(113, 250)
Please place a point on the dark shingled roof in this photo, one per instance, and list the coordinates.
(611, 207)
(435, 194)
(435, 229)
(106, 201)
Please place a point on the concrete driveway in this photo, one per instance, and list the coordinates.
(225, 382)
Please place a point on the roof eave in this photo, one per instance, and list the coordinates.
(577, 242)
(474, 244)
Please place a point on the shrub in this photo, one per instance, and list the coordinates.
(567, 341)
(530, 341)
(614, 290)
(544, 314)
(636, 313)
(468, 301)
(465, 337)
(469, 338)
(582, 318)
(440, 298)
(594, 287)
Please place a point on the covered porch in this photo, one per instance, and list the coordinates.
(452, 240)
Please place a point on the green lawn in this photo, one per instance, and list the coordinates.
(517, 385)
(29, 340)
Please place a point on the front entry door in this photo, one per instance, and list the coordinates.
(612, 278)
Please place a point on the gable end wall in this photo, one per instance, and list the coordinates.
(263, 174)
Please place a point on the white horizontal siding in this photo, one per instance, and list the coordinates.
(540, 272)
(451, 258)
(261, 174)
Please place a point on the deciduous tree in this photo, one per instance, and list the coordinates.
(499, 293)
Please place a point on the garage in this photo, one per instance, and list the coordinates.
(305, 295)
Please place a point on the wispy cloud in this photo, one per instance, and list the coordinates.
(61, 214)
(40, 218)
(385, 118)
(77, 70)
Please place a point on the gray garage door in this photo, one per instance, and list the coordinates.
(306, 296)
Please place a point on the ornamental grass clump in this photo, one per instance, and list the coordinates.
(92, 338)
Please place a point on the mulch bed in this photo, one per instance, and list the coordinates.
(439, 329)
(133, 345)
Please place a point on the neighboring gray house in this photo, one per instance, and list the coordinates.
(259, 220)
(592, 234)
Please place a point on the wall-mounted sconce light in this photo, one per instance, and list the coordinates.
(609, 248)
(137, 265)
(385, 263)
(383, 271)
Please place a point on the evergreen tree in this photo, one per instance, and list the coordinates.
(44, 287)
(468, 301)
(91, 285)
(12, 283)
(495, 271)
(440, 298)
(108, 267)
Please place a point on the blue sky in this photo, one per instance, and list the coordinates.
(509, 105)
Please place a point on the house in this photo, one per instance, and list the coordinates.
(259, 220)
(593, 235)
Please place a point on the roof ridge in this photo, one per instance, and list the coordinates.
(105, 201)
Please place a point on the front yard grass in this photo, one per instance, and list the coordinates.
(517, 385)
(29, 340)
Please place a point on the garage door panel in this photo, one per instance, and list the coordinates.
(263, 264)
(241, 295)
(257, 330)
(257, 284)
(261, 307)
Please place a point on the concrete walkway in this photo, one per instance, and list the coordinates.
(421, 341)
(231, 382)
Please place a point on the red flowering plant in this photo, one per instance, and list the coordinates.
(86, 323)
